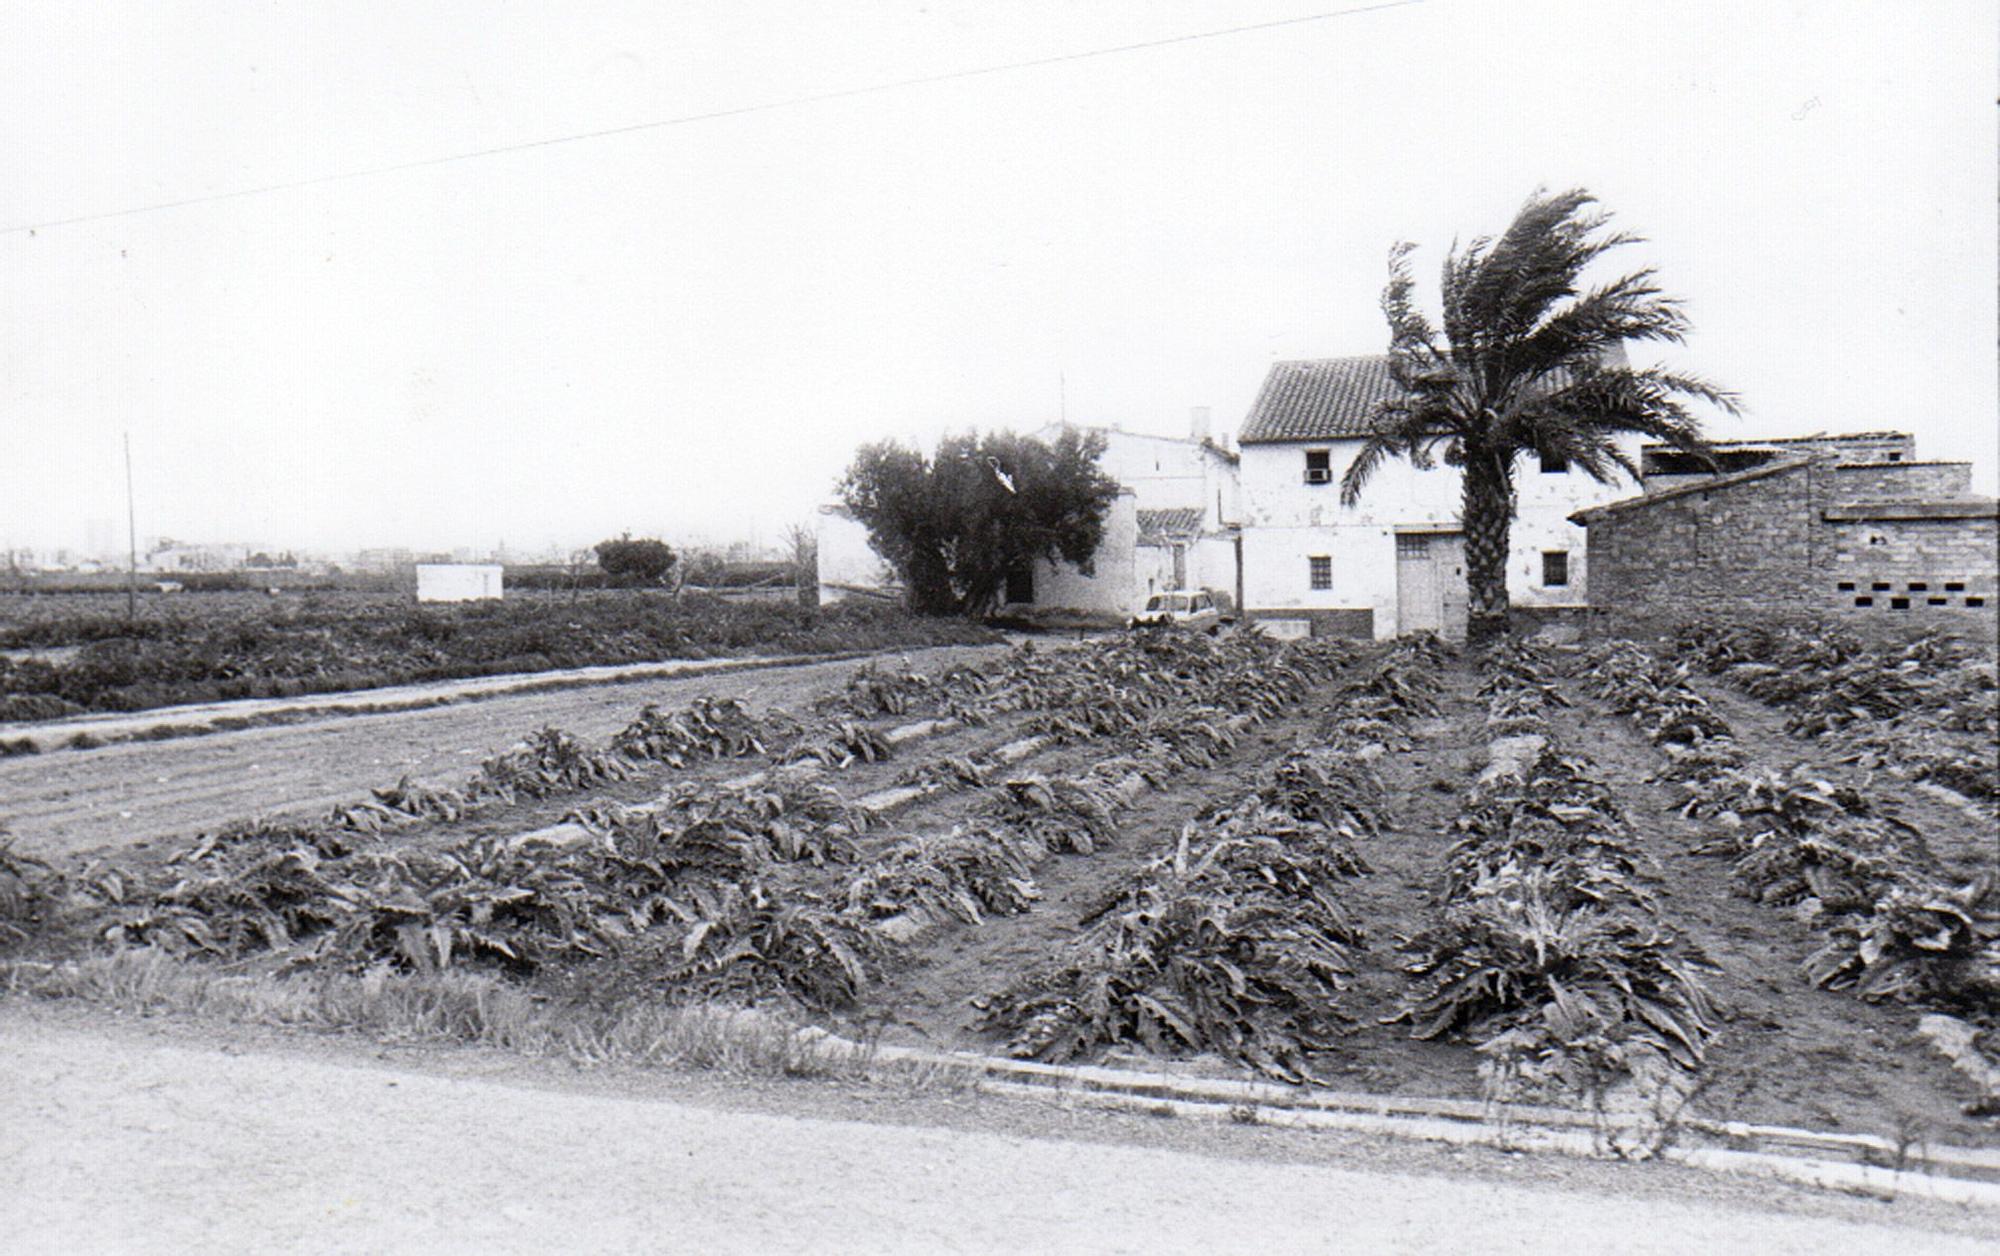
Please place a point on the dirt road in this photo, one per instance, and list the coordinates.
(122, 1142)
(134, 792)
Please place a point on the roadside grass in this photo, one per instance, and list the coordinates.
(463, 1008)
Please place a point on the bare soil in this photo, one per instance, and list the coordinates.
(1788, 1052)
(143, 793)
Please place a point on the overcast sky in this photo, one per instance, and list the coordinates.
(686, 330)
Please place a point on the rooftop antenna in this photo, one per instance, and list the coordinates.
(132, 539)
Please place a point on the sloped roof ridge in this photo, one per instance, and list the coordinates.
(1625, 505)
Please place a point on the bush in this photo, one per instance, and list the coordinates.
(630, 564)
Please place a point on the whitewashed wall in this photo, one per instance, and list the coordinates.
(1285, 521)
(1113, 587)
(1168, 473)
(458, 582)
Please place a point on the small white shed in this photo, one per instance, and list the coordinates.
(457, 582)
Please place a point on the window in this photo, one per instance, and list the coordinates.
(1975, 601)
(1937, 601)
(1899, 604)
(1321, 570)
(1880, 586)
(1954, 586)
(1412, 546)
(1895, 457)
(1555, 569)
(1918, 586)
(1319, 466)
(1554, 464)
(1845, 586)
(1864, 601)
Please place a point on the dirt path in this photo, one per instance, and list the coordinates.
(142, 792)
(1426, 784)
(121, 1142)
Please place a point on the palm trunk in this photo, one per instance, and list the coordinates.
(1488, 518)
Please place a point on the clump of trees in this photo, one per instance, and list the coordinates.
(630, 563)
(1527, 361)
(955, 523)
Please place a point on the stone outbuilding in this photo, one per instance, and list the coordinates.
(1848, 524)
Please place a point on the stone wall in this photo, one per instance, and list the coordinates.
(1918, 566)
(1792, 540)
(1742, 544)
(1900, 481)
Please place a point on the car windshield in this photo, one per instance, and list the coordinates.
(1155, 602)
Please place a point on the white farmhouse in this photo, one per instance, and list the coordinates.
(1395, 562)
(1172, 526)
(1184, 501)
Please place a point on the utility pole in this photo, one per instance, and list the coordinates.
(132, 539)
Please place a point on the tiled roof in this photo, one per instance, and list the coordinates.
(1331, 398)
(1318, 400)
(1158, 525)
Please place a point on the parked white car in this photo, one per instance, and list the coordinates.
(1194, 610)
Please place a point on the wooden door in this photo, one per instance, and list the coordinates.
(1430, 584)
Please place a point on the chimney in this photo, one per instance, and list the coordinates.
(1198, 423)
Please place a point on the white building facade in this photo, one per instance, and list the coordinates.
(1171, 526)
(1394, 562)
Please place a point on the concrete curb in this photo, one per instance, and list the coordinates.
(1515, 1128)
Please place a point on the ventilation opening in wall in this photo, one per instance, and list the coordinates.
(1880, 586)
(1975, 601)
(1899, 604)
(1846, 586)
(1954, 586)
(1864, 601)
(1937, 601)
(1918, 586)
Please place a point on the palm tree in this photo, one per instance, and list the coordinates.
(1529, 362)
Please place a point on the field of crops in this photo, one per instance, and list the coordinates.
(1633, 873)
(66, 654)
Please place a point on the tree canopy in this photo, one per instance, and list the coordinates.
(1527, 361)
(953, 525)
(631, 562)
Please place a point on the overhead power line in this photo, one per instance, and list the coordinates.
(711, 115)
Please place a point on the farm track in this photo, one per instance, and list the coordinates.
(1787, 1051)
(158, 792)
(1426, 784)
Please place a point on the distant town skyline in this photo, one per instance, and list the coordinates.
(686, 330)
